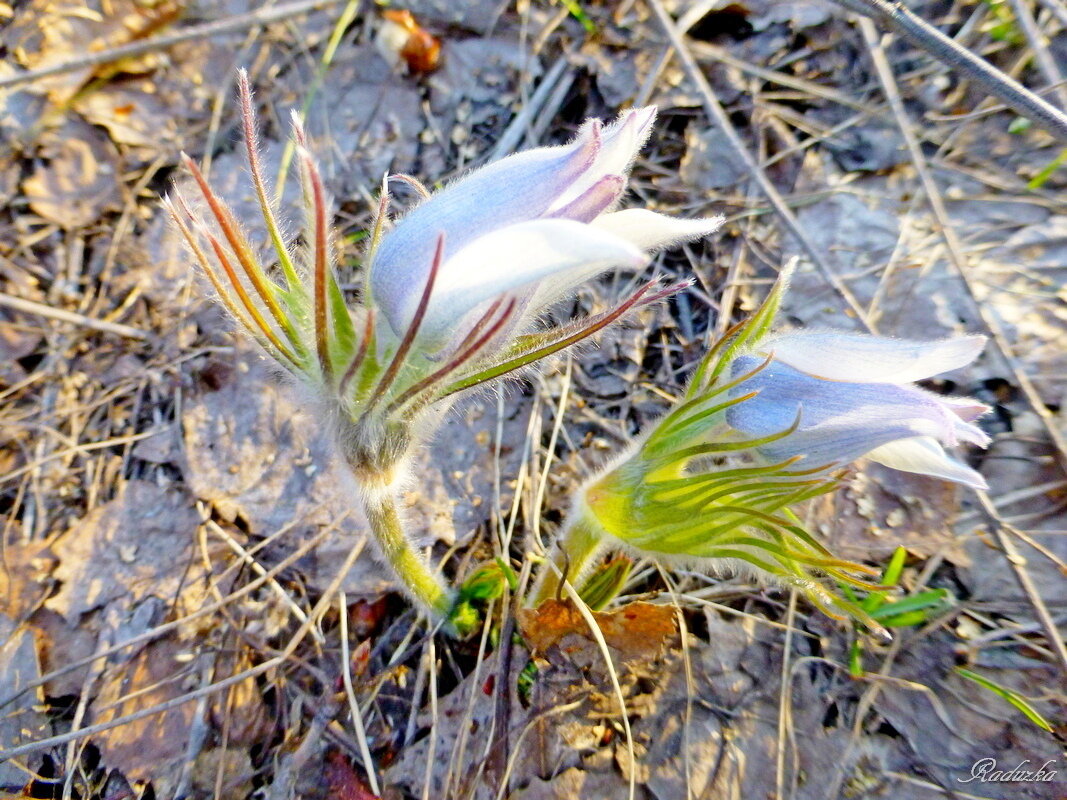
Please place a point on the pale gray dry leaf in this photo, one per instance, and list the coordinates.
(868, 148)
(574, 783)
(879, 508)
(21, 722)
(709, 163)
(981, 215)
(798, 14)
(132, 547)
(613, 367)
(20, 110)
(254, 451)
(476, 91)
(78, 178)
(134, 114)
(1022, 283)
(617, 71)
(1015, 464)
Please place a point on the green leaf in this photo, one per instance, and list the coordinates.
(1010, 695)
(1040, 179)
(343, 340)
(606, 582)
(925, 602)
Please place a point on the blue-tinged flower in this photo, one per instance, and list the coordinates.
(533, 225)
(851, 395)
(766, 424)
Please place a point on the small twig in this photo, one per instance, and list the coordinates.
(43, 310)
(946, 50)
(263, 16)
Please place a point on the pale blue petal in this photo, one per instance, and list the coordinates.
(515, 189)
(515, 259)
(839, 421)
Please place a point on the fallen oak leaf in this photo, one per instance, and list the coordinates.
(638, 631)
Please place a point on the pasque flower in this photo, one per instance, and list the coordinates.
(853, 397)
(450, 298)
(766, 423)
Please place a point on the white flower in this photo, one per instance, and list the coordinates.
(532, 226)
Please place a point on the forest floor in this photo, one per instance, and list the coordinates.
(172, 516)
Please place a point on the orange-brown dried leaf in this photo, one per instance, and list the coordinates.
(637, 630)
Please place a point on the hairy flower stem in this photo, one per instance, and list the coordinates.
(420, 581)
(573, 555)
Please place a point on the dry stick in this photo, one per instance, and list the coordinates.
(955, 253)
(946, 50)
(44, 310)
(262, 17)
(718, 114)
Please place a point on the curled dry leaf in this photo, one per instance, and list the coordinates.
(129, 548)
(50, 32)
(638, 631)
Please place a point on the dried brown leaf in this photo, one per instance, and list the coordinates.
(153, 747)
(638, 631)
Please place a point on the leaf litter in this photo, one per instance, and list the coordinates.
(93, 537)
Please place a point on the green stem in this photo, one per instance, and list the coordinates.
(422, 583)
(573, 556)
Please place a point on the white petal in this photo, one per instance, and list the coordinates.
(926, 457)
(620, 144)
(857, 358)
(515, 189)
(514, 257)
(651, 231)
